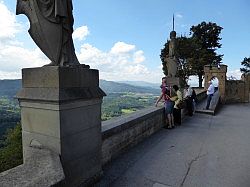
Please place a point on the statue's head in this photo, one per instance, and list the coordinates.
(172, 34)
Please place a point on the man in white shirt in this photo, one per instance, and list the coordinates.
(210, 93)
(189, 100)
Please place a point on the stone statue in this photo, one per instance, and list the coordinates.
(51, 28)
(170, 59)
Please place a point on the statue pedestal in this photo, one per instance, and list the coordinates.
(173, 81)
(61, 111)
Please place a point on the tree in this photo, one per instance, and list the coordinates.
(11, 154)
(246, 64)
(205, 41)
(183, 53)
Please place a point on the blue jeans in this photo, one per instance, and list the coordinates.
(209, 98)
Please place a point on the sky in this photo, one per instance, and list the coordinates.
(123, 39)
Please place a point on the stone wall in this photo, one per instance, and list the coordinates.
(246, 79)
(235, 91)
(238, 91)
(42, 168)
(121, 133)
(118, 135)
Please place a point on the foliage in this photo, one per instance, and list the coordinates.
(193, 52)
(121, 99)
(9, 114)
(11, 154)
(117, 104)
(246, 64)
(205, 40)
(183, 53)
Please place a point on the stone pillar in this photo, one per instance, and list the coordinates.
(61, 110)
(173, 81)
(220, 74)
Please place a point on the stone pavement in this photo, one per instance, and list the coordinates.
(200, 108)
(205, 151)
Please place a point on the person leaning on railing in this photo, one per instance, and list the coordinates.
(168, 103)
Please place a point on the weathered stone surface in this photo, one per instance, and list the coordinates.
(59, 77)
(235, 91)
(51, 28)
(231, 91)
(49, 142)
(121, 133)
(42, 167)
(82, 143)
(61, 111)
(173, 81)
(204, 151)
(220, 74)
(60, 84)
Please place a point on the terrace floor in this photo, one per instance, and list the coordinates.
(205, 151)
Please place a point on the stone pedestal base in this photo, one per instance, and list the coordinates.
(173, 81)
(61, 111)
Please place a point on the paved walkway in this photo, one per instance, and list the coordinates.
(205, 151)
(214, 103)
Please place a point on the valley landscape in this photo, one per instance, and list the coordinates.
(121, 99)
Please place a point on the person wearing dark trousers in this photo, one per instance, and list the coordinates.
(210, 93)
(177, 110)
(195, 100)
(188, 99)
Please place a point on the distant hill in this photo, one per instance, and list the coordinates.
(9, 88)
(142, 84)
(110, 87)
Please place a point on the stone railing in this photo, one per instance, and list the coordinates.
(201, 95)
(123, 132)
(41, 168)
(44, 168)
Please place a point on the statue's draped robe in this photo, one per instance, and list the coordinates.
(171, 60)
(60, 12)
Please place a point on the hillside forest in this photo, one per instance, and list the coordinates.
(121, 99)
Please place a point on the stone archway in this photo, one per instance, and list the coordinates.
(220, 73)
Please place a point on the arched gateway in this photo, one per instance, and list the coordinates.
(219, 72)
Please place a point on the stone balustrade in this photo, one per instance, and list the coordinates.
(121, 133)
(44, 168)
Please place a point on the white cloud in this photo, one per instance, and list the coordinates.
(139, 56)
(13, 56)
(234, 73)
(121, 47)
(8, 24)
(9, 75)
(178, 15)
(125, 64)
(122, 62)
(80, 33)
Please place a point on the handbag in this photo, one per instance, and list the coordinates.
(181, 104)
